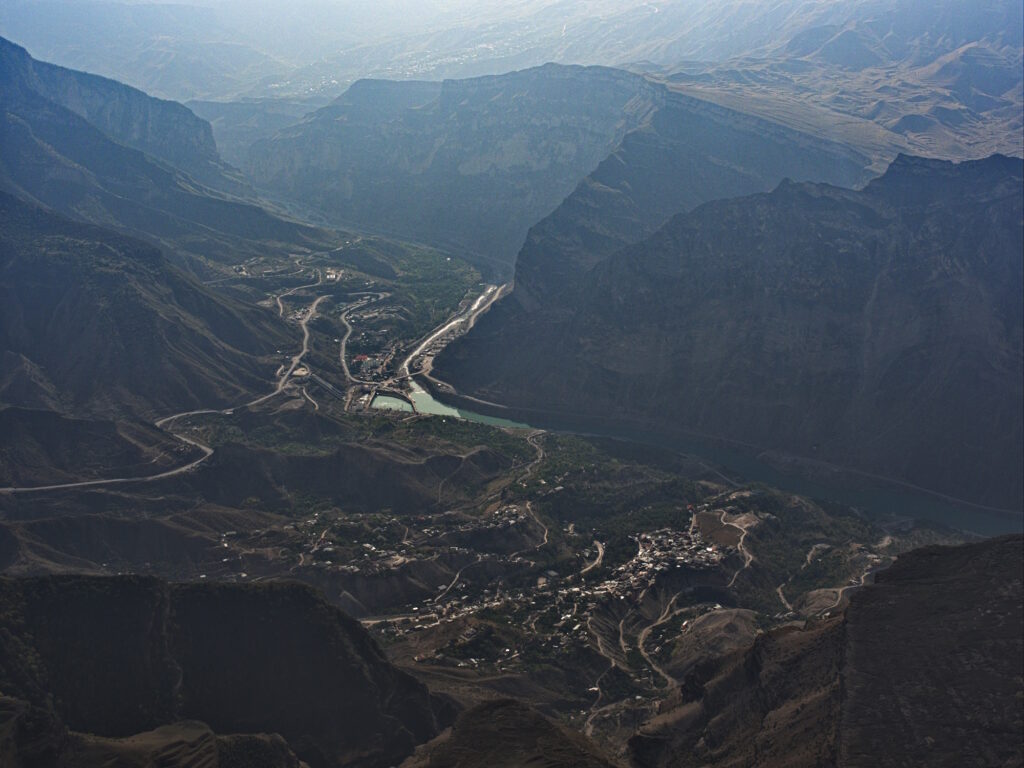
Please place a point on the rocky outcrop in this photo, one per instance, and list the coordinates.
(115, 657)
(164, 129)
(508, 734)
(465, 164)
(878, 330)
(923, 668)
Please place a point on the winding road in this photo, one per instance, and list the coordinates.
(667, 614)
(741, 546)
(482, 302)
(597, 561)
(282, 381)
(162, 423)
(343, 347)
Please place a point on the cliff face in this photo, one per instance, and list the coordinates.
(115, 657)
(163, 129)
(467, 164)
(923, 668)
(101, 152)
(473, 164)
(879, 330)
(688, 153)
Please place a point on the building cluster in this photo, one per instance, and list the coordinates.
(501, 519)
(658, 552)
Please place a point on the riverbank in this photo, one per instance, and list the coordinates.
(882, 498)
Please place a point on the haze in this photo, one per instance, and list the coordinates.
(479, 384)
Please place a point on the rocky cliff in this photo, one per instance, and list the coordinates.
(114, 657)
(473, 164)
(464, 164)
(923, 668)
(101, 152)
(164, 129)
(877, 329)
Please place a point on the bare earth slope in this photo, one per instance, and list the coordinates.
(924, 668)
(97, 323)
(118, 656)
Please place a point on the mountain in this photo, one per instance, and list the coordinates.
(472, 164)
(859, 689)
(41, 446)
(506, 734)
(882, 87)
(164, 130)
(105, 153)
(689, 152)
(175, 51)
(116, 658)
(237, 125)
(878, 330)
(466, 164)
(144, 337)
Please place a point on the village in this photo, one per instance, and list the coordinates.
(556, 609)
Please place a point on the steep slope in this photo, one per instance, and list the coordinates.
(237, 125)
(93, 323)
(467, 164)
(472, 164)
(117, 656)
(507, 734)
(164, 130)
(688, 153)
(77, 144)
(878, 330)
(923, 668)
(187, 744)
(41, 447)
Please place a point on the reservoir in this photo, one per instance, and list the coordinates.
(388, 403)
(426, 404)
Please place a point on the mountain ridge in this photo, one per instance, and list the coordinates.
(114, 656)
(840, 692)
(882, 315)
(121, 295)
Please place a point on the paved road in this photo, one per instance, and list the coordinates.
(482, 302)
(343, 347)
(162, 423)
(666, 615)
(458, 575)
(843, 590)
(280, 306)
(741, 546)
(544, 540)
(597, 562)
(283, 379)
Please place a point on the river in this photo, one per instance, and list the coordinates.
(880, 500)
(877, 498)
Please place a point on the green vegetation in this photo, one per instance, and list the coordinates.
(320, 435)
(593, 486)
